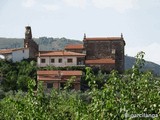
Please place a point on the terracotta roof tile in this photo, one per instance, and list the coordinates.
(7, 51)
(59, 53)
(74, 46)
(47, 72)
(71, 73)
(104, 38)
(19, 49)
(47, 78)
(55, 74)
(100, 61)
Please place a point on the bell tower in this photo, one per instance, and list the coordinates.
(29, 43)
(28, 37)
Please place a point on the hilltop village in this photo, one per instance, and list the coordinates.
(103, 53)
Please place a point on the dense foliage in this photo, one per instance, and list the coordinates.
(119, 98)
(16, 75)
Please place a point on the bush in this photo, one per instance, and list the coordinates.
(119, 98)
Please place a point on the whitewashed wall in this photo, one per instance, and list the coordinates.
(19, 55)
(6, 56)
(9, 56)
(56, 62)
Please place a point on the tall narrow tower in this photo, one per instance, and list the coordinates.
(30, 43)
(28, 37)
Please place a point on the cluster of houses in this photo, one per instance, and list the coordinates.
(105, 53)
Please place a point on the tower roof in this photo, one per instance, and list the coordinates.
(74, 46)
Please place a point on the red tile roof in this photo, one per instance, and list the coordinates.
(59, 53)
(55, 74)
(47, 72)
(74, 46)
(47, 78)
(71, 73)
(104, 38)
(7, 51)
(19, 49)
(100, 61)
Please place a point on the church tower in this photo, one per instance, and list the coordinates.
(28, 37)
(30, 43)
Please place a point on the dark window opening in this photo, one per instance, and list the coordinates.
(52, 60)
(62, 85)
(70, 60)
(43, 60)
(49, 85)
(60, 60)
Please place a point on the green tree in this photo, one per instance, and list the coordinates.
(16, 75)
(120, 97)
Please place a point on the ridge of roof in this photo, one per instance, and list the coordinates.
(59, 72)
(59, 53)
(19, 49)
(7, 51)
(103, 38)
(74, 46)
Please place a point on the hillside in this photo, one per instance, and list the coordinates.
(155, 68)
(44, 43)
(59, 43)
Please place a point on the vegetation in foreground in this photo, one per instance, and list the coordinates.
(120, 97)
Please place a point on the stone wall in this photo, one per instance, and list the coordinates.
(33, 49)
(76, 50)
(119, 55)
(98, 49)
(30, 43)
(103, 67)
(114, 49)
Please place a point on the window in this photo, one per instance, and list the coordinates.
(52, 60)
(60, 60)
(62, 85)
(49, 85)
(80, 62)
(84, 52)
(43, 60)
(69, 60)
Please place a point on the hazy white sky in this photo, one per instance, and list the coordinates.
(138, 20)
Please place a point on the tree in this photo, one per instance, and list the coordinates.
(121, 97)
(16, 75)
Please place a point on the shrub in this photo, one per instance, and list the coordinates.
(120, 97)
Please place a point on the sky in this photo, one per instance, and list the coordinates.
(138, 20)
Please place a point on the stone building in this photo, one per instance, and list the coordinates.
(106, 53)
(30, 43)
